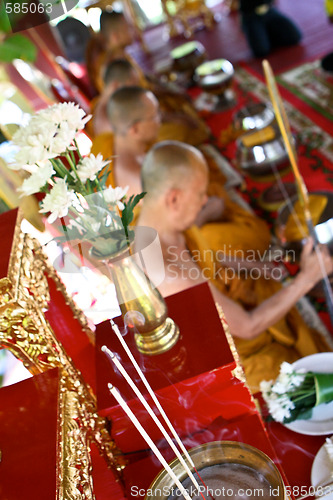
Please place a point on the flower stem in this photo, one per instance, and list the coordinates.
(77, 149)
(73, 167)
(60, 168)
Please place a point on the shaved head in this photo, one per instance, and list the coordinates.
(111, 20)
(115, 30)
(127, 106)
(169, 165)
(120, 71)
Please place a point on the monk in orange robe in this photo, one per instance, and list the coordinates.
(179, 118)
(267, 329)
(134, 116)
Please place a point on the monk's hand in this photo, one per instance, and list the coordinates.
(315, 263)
(211, 211)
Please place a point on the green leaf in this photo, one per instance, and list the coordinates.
(324, 387)
(304, 414)
(104, 174)
(5, 26)
(17, 47)
(127, 214)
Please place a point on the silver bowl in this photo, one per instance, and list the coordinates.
(214, 75)
(188, 56)
(254, 116)
(261, 160)
(219, 462)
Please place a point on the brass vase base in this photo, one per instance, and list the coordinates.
(159, 340)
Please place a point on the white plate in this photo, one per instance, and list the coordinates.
(320, 472)
(321, 421)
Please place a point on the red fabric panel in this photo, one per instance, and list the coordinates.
(28, 437)
(7, 225)
(189, 405)
(69, 332)
(106, 487)
(202, 347)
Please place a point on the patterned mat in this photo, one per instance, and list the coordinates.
(312, 85)
(314, 143)
(314, 146)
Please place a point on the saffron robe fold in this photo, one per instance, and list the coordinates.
(287, 340)
(195, 132)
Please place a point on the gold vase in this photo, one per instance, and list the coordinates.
(142, 306)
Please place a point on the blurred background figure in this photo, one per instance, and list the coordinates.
(75, 36)
(119, 73)
(109, 43)
(265, 27)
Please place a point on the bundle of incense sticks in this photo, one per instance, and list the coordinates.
(114, 391)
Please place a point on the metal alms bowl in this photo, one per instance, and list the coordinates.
(217, 459)
(256, 115)
(214, 75)
(260, 160)
(188, 56)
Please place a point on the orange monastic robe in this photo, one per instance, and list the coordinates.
(239, 229)
(169, 103)
(289, 339)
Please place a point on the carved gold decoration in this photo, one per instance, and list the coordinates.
(185, 11)
(238, 372)
(74, 465)
(28, 270)
(28, 335)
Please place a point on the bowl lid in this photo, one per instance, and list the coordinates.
(186, 49)
(254, 116)
(214, 72)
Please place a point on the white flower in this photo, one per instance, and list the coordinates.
(280, 387)
(115, 195)
(57, 201)
(298, 378)
(70, 113)
(286, 368)
(27, 168)
(37, 180)
(266, 387)
(279, 395)
(34, 143)
(90, 166)
(49, 133)
(279, 407)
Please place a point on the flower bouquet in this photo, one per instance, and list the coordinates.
(76, 194)
(295, 393)
(75, 187)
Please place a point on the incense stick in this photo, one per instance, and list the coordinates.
(114, 391)
(152, 394)
(128, 379)
(156, 401)
(282, 120)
